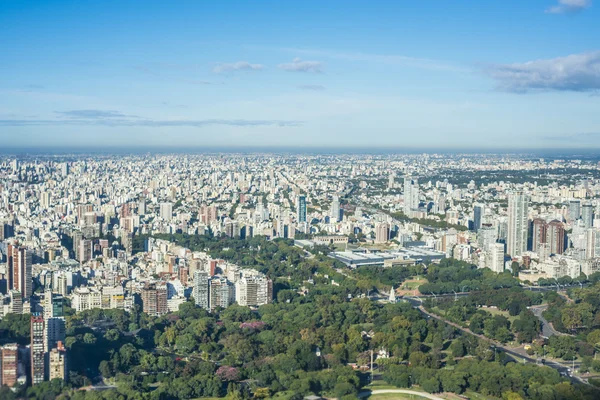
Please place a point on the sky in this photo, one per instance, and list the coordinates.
(455, 74)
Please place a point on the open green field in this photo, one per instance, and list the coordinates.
(495, 311)
(413, 284)
(395, 396)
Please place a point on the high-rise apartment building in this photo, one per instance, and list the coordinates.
(9, 364)
(201, 290)
(574, 210)
(538, 234)
(555, 237)
(154, 299)
(19, 260)
(497, 257)
(334, 211)
(518, 205)
(411, 195)
(254, 290)
(301, 208)
(57, 363)
(587, 215)
(37, 349)
(487, 235)
(222, 293)
(166, 211)
(477, 214)
(45, 200)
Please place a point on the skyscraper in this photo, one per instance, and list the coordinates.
(37, 349)
(555, 237)
(538, 235)
(301, 208)
(19, 270)
(201, 291)
(587, 215)
(477, 213)
(574, 210)
(335, 209)
(497, 257)
(411, 195)
(517, 223)
(382, 232)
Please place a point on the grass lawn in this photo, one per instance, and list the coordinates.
(412, 284)
(477, 396)
(495, 311)
(395, 396)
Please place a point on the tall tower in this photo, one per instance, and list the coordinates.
(201, 289)
(517, 223)
(37, 349)
(574, 210)
(19, 270)
(555, 237)
(538, 234)
(335, 208)
(587, 215)
(382, 232)
(302, 208)
(411, 195)
(477, 213)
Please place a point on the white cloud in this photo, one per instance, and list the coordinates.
(298, 65)
(576, 72)
(569, 6)
(237, 66)
(391, 59)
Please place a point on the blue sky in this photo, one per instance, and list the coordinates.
(460, 74)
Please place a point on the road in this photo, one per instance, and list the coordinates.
(561, 368)
(399, 391)
(547, 329)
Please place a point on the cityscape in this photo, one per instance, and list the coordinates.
(151, 234)
(299, 200)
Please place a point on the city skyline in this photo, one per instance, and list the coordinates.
(288, 75)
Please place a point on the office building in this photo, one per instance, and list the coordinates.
(86, 298)
(518, 206)
(382, 232)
